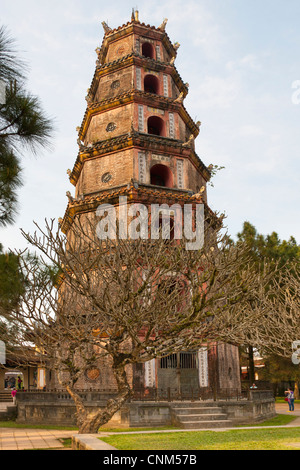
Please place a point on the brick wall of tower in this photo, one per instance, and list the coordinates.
(120, 48)
(109, 124)
(114, 83)
(118, 165)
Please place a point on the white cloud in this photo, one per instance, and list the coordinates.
(248, 62)
(251, 130)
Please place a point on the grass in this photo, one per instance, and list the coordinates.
(282, 400)
(66, 442)
(119, 430)
(278, 420)
(252, 439)
(13, 424)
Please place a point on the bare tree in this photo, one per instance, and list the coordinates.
(132, 301)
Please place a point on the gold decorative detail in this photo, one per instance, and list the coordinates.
(93, 374)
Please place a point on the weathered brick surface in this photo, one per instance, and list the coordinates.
(119, 165)
(110, 123)
(114, 83)
(120, 48)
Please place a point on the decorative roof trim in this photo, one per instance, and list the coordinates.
(134, 191)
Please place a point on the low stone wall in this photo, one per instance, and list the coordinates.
(8, 413)
(86, 442)
(55, 409)
(259, 407)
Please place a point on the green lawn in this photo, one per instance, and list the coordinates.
(282, 400)
(13, 424)
(257, 439)
(278, 420)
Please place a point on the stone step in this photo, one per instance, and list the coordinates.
(226, 423)
(201, 417)
(195, 404)
(5, 397)
(198, 410)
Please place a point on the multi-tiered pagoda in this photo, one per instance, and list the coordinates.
(137, 140)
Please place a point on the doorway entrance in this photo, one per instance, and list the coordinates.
(179, 372)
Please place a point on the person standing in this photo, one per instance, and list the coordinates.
(291, 399)
(13, 394)
(19, 383)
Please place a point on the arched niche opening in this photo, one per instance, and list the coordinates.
(151, 84)
(161, 175)
(156, 126)
(148, 50)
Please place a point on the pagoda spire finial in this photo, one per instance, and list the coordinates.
(162, 27)
(106, 28)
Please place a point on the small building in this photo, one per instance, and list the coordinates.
(24, 374)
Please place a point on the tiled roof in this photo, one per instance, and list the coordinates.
(142, 192)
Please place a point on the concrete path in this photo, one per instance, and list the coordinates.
(26, 439)
(22, 439)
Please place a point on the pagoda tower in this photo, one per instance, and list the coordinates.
(137, 140)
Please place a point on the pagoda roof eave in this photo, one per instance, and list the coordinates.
(134, 191)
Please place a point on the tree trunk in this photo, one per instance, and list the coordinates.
(81, 411)
(296, 391)
(90, 423)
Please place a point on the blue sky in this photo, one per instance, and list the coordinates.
(240, 59)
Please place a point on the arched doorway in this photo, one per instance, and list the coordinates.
(161, 175)
(151, 84)
(156, 126)
(148, 50)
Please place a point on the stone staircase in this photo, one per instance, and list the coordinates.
(5, 397)
(7, 408)
(197, 415)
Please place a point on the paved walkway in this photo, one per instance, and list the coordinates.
(26, 439)
(23, 439)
